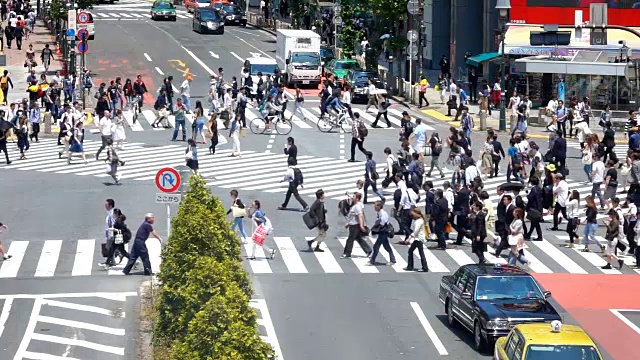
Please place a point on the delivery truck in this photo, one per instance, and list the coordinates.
(298, 55)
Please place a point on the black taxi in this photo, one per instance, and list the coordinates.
(490, 299)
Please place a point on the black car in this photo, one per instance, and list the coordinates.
(207, 20)
(233, 14)
(326, 54)
(490, 299)
(359, 81)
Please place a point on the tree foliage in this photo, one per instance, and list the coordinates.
(202, 310)
(350, 33)
(389, 10)
(58, 8)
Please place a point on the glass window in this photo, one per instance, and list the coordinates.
(264, 69)
(471, 285)
(512, 344)
(327, 53)
(305, 58)
(164, 5)
(562, 352)
(508, 287)
(209, 15)
(462, 280)
(517, 355)
(346, 65)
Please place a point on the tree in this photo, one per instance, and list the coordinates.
(350, 33)
(58, 10)
(200, 229)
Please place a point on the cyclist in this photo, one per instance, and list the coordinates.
(270, 111)
(140, 89)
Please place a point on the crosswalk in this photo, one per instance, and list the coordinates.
(545, 257)
(307, 121)
(58, 258)
(130, 14)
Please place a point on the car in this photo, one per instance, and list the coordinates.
(359, 81)
(547, 342)
(163, 9)
(490, 299)
(208, 20)
(233, 14)
(191, 5)
(340, 68)
(260, 65)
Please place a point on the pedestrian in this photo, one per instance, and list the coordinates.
(573, 211)
(293, 176)
(3, 145)
(382, 229)
(259, 236)
(168, 90)
(418, 239)
(3, 228)
(191, 156)
(212, 127)
(383, 105)
(5, 82)
(34, 119)
(18, 33)
(76, 142)
(598, 171)
(109, 206)
(122, 236)
(198, 123)
(356, 226)
(291, 150)
(180, 120)
(516, 239)
(611, 182)
(139, 248)
(371, 178)
(112, 161)
(160, 106)
(185, 93)
(436, 150)
(613, 231)
(234, 134)
(105, 126)
(23, 137)
(424, 84)
(534, 209)
(119, 135)
(238, 211)
(358, 133)
(298, 104)
(478, 231)
(371, 96)
(139, 89)
(318, 214)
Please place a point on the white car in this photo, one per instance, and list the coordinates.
(260, 65)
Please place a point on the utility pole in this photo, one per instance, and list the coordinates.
(72, 18)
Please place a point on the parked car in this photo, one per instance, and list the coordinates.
(208, 20)
(339, 68)
(233, 14)
(163, 9)
(359, 81)
(548, 342)
(490, 299)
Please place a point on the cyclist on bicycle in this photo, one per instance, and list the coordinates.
(140, 89)
(270, 111)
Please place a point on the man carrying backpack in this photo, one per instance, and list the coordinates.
(358, 133)
(294, 177)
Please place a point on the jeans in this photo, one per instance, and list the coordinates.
(589, 233)
(237, 223)
(382, 240)
(595, 191)
(371, 183)
(587, 170)
(114, 107)
(520, 257)
(439, 229)
(180, 123)
(417, 244)
(139, 250)
(187, 102)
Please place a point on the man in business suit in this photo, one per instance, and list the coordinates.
(559, 152)
(318, 213)
(498, 154)
(507, 203)
(461, 210)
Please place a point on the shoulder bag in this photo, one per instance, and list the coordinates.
(236, 211)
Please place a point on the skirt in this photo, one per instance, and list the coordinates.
(486, 161)
(192, 164)
(119, 134)
(76, 148)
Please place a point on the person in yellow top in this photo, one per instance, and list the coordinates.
(424, 84)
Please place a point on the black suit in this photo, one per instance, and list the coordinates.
(292, 151)
(461, 210)
(559, 153)
(508, 218)
(498, 149)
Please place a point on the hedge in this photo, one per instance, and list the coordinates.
(202, 309)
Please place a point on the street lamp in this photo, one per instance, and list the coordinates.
(503, 6)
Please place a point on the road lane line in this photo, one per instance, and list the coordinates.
(81, 325)
(265, 320)
(326, 259)
(159, 71)
(261, 264)
(400, 264)
(29, 331)
(80, 307)
(48, 258)
(197, 59)
(624, 319)
(148, 57)
(134, 126)
(272, 139)
(84, 257)
(246, 42)
(4, 316)
(125, 15)
(236, 56)
(290, 255)
(359, 258)
(67, 295)
(459, 256)
(151, 117)
(114, 15)
(11, 266)
(429, 329)
(81, 343)
(43, 356)
(342, 142)
(214, 54)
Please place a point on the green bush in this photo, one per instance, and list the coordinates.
(202, 309)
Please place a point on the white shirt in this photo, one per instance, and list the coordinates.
(514, 104)
(228, 100)
(346, 97)
(371, 89)
(57, 79)
(408, 199)
(448, 194)
(561, 192)
(453, 88)
(573, 209)
(105, 126)
(470, 173)
(633, 211)
(597, 168)
(417, 230)
(13, 21)
(185, 89)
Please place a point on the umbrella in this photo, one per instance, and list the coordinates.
(385, 36)
(5, 125)
(511, 186)
(378, 91)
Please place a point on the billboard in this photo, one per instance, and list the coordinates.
(613, 4)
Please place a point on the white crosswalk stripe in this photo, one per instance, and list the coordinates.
(58, 258)
(117, 13)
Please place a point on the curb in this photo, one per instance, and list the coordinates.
(262, 28)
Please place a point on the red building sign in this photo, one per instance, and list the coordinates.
(562, 12)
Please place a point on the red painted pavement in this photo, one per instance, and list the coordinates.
(107, 70)
(588, 299)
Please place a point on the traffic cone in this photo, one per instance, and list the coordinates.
(58, 52)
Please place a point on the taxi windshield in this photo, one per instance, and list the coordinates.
(164, 5)
(346, 65)
(507, 287)
(562, 352)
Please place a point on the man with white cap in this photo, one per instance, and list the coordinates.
(139, 248)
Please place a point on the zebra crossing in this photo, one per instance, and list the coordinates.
(130, 14)
(308, 121)
(545, 257)
(58, 258)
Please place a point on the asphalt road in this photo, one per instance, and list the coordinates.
(312, 306)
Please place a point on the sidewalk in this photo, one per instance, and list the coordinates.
(256, 19)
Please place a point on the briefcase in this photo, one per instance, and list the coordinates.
(309, 220)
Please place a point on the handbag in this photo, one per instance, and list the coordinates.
(108, 168)
(259, 235)
(237, 211)
(366, 231)
(309, 220)
(448, 228)
(513, 240)
(188, 155)
(118, 238)
(587, 158)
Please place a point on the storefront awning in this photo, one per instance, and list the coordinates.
(480, 58)
(584, 62)
(517, 42)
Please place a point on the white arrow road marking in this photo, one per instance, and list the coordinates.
(254, 54)
(214, 54)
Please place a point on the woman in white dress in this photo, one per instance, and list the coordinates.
(119, 135)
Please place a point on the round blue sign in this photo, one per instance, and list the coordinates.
(83, 47)
(71, 32)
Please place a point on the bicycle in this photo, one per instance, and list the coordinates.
(135, 107)
(341, 119)
(259, 125)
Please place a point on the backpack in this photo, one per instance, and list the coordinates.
(437, 148)
(344, 206)
(465, 161)
(156, 105)
(126, 234)
(298, 179)
(362, 130)
(4, 82)
(518, 158)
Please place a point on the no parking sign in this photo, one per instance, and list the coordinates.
(83, 17)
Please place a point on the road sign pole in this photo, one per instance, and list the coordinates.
(168, 220)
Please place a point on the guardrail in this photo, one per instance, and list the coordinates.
(270, 24)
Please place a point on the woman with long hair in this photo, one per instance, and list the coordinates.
(418, 239)
(516, 239)
(212, 126)
(573, 212)
(591, 223)
(198, 123)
